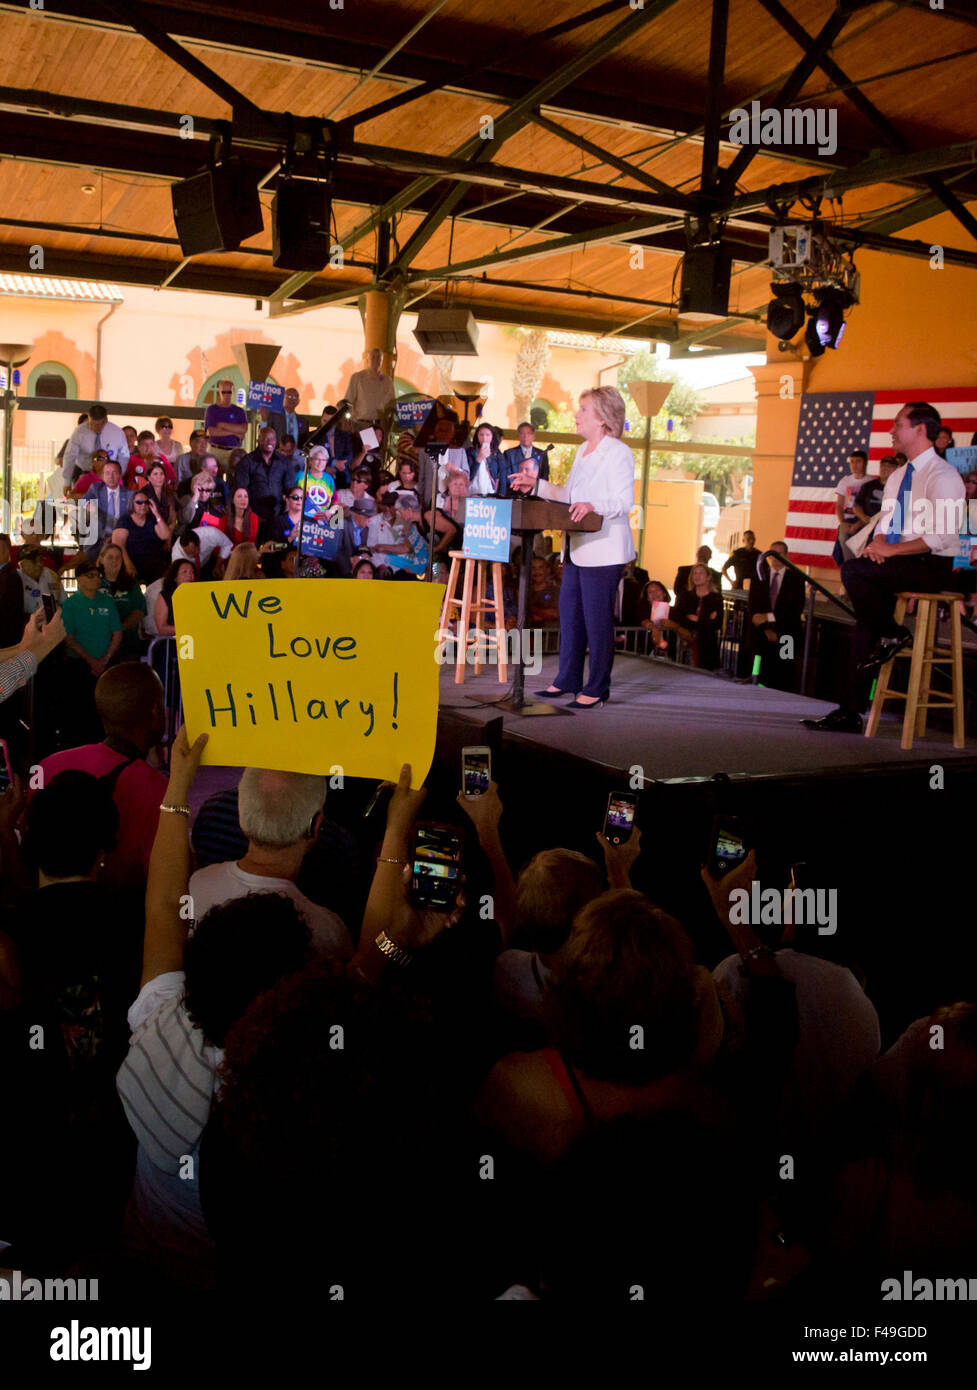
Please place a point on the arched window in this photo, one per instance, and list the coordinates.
(540, 412)
(52, 379)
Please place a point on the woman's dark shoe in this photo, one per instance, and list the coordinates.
(575, 704)
(839, 721)
(551, 693)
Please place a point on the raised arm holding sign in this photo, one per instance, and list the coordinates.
(308, 677)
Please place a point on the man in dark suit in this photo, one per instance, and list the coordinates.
(286, 422)
(775, 609)
(702, 557)
(112, 503)
(520, 459)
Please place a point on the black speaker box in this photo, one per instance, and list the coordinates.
(216, 210)
(301, 212)
(705, 280)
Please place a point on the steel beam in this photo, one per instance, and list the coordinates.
(712, 117)
(519, 114)
(868, 109)
(919, 210)
(632, 171)
(134, 17)
(883, 169)
(795, 82)
(900, 246)
(618, 231)
(31, 102)
(713, 330)
(664, 200)
(961, 10)
(502, 57)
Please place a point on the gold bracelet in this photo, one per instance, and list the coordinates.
(176, 810)
(397, 954)
(382, 860)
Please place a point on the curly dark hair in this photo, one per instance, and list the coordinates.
(319, 1075)
(70, 822)
(239, 949)
(626, 964)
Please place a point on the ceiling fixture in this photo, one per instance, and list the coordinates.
(786, 311)
(809, 264)
(826, 324)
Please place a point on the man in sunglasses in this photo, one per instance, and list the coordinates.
(225, 424)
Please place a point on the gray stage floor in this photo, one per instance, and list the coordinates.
(677, 722)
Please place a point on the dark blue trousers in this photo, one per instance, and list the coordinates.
(587, 620)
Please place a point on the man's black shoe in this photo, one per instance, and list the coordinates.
(885, 651)
(839, 721)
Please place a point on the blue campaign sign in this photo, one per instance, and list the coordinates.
(963, 460)
(412, 414)
(319, 538)
(263, 396)
(488, 527)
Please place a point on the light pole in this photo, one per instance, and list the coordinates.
(11, 355)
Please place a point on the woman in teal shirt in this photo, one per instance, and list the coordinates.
(128, 598)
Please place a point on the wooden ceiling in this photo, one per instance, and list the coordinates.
(643, 102)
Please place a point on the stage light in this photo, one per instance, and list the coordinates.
(826, 325)
(785, 312)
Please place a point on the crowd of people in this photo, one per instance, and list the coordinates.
(256, 1047)
(229, 1034)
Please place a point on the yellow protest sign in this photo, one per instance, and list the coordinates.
(308, 675)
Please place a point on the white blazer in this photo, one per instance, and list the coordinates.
(605, 479)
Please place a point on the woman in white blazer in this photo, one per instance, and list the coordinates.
(601, 480)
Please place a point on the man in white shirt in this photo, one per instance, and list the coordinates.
(370, 393)
(39, 582)
(915, 540)
(845, 494)
(98, 433)
(280, 813)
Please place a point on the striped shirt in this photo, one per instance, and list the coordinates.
(167, 1080)
(15, 673)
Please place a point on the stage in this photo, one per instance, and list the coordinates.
(680, 723)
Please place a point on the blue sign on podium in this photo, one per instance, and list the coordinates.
(488, 528)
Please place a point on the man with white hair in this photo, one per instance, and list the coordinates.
(280, 813)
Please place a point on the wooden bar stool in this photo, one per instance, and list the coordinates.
(923, 654)
(468, 608)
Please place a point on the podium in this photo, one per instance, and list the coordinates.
(530, 515)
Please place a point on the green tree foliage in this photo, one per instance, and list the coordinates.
(718, 471)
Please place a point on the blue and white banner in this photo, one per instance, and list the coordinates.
(263, 396)
(488, 528)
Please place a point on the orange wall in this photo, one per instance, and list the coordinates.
(161, 346)
(915, 328)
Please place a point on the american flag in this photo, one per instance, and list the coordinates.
(832, 425)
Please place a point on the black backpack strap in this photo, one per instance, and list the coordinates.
(110, 778)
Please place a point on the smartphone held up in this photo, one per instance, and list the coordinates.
(435, 865)
(619, 818)
(476, 770)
